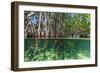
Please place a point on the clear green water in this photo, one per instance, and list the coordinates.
(56, 49)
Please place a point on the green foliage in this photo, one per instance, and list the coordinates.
(48, 24)
(77, 24)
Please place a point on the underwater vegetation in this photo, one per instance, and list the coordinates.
(56, 49)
